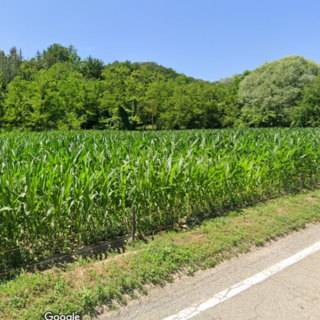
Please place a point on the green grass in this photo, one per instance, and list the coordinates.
(57, 184)
(87, 284)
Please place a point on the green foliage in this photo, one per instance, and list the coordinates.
(57, 53)
(9, 65)
(55, 98)
(92, 68)
(138, 96)
(168, 73)
(307, 112)
(132, 91)
(27, 71)
(191, 105)
(113, 281)
(270, 93)
(129, 90)
(2, 93)
(229, 106)
(54, 184)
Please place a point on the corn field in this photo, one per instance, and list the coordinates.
(57, 184)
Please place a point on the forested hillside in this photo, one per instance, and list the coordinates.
(58, 90)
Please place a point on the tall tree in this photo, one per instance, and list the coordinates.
(168, 73)
(9, 64)
(55, 98)
(229, 106)
(307, 112)
(191, 105)
(270, 93)
(2, 90)
(125, 85)
(92, 68)
(57, 53)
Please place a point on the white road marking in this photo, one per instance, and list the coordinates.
(226, 294)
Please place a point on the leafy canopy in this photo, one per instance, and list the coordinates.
(271, 91)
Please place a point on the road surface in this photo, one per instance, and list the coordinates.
(278, 281)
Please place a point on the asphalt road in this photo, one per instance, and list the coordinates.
(292, 293)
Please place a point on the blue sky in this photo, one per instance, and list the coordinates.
(205, 39)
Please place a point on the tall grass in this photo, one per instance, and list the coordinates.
(60, 183)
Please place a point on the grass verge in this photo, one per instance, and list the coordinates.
(87, 285)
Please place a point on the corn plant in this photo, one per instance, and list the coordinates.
(57, 184)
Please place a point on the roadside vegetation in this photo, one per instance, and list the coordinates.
(62, 190)
(94, 285)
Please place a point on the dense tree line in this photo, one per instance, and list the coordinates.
(57, 90)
